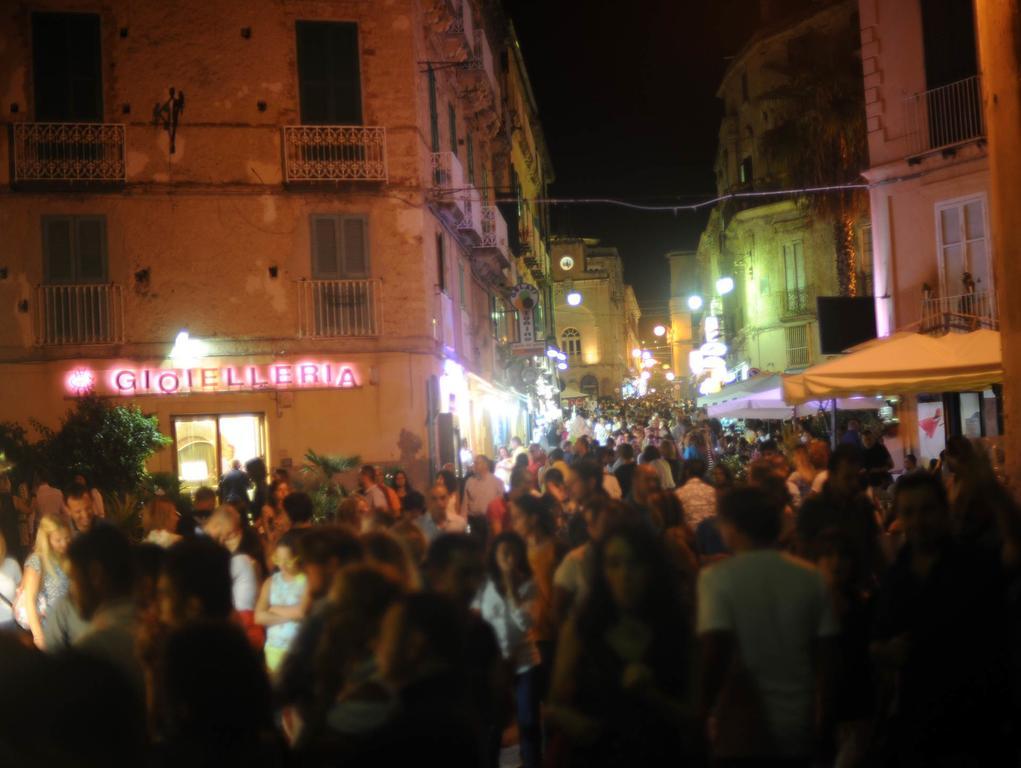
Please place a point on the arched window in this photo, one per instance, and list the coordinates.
(589, 385)
(570, 342)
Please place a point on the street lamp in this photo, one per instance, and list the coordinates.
(636, 352)
(695, 302)
(562, 366)
(659, 330)
(724, 285)
(670, 376)
(574, 298)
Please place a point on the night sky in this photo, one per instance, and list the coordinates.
(626, 94)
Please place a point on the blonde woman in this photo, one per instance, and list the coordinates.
(45, 580)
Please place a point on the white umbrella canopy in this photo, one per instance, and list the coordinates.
(904, 363)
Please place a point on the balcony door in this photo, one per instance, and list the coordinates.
(329, 74)
(962, 246)
(795, 298)
(343, 298)
(66, 68)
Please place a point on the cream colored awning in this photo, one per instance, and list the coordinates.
(904, 363)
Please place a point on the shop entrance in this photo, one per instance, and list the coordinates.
(206, 445)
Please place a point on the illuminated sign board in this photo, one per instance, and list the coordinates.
(128, 380)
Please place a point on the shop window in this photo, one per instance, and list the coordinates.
(340, 247)
(66, 68)
(570, 342)
(329, 77)
(206, 445)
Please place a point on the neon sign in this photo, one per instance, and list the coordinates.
(128, 381)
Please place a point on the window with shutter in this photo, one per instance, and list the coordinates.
(67, 68)
(469, 148)
(434, 116)
(452, 127)
(340, 247)
(74, 249)
(441, 263)
(329, 76)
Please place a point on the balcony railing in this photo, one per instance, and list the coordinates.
(332, 308)
(471, 225)
(494, 234)
(334, 153)
(943, 117)
(480, 62)
(448, 182)
(79, 314)
(69, 152)
(794, 302)
(964, 312)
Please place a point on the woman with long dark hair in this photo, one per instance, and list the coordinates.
(622, 661)
(507, 603)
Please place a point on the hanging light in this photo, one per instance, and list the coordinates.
(574, 298)
(552, 353)
(724, 285)
(562, 365)
(695, 302)
(659, 330)
(670, 376)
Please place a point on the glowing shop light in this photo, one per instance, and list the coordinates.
(636, 352)
(552, 353)
(694, 303)
(670, 376)
(724, 285)
(79, 381)
(187, 350)
(666, 367)
(574, 298)
(714, 349)
(561, 356)
(710, 387)
(646, 375)
(695, 361)
(646, 355)
(659, 330)
(562, 366)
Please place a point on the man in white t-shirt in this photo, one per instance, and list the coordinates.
(480, 490)
(768, 637)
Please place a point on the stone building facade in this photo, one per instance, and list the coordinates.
(780, 253)
(307, 189)
(596, 317)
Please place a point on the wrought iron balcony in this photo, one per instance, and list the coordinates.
(314, 153)
(944, 117)
(470, 225)
(494, 236)
(335, 308)
(795, 302)
(69, 152)
(79, 314)
(480, 66)
(461, 30)
(964, 312)
(448, 184)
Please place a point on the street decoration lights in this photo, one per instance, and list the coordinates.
(694, 302)
(562, 365)
(670, 376)
(724, 285)
(574, 299)
(659, 330)
(636, 352)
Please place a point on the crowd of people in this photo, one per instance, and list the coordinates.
(614, 597)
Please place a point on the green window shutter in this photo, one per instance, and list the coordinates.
(90, 249)
(441, 263)
(460, 282)
(470, 152)
(325, 248)
(329, 77)
(452, 125)
(355, 247)
(434, 117)
(58, 255)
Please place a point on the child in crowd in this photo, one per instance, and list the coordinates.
(280, 601)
